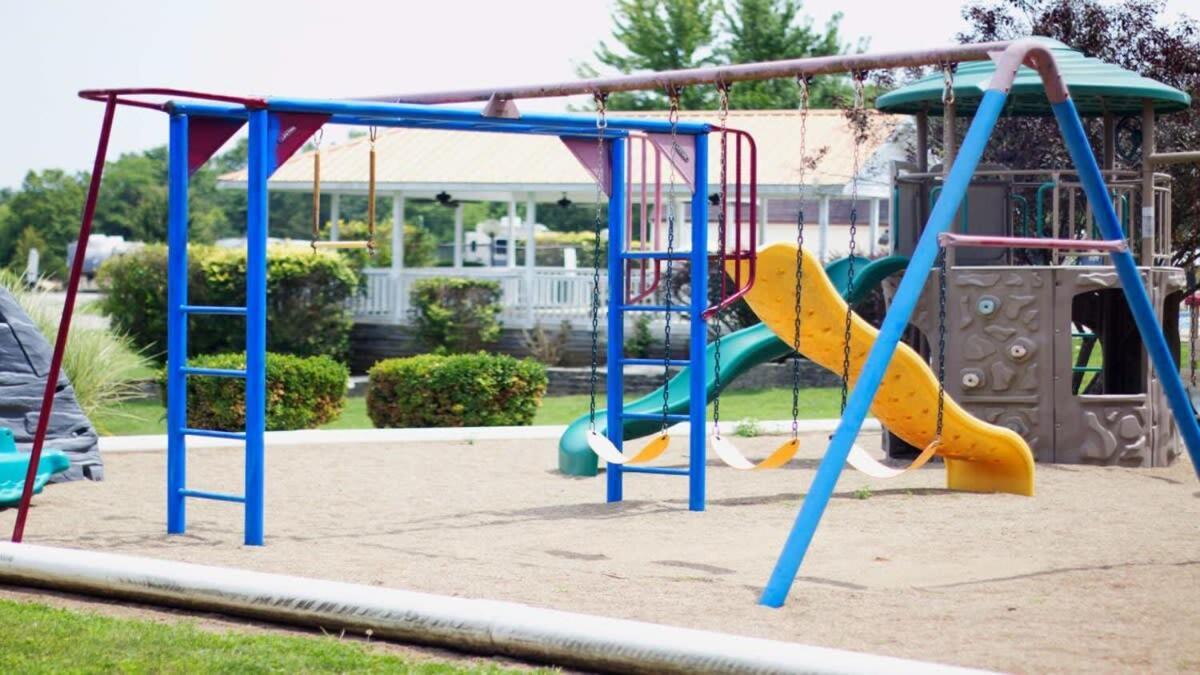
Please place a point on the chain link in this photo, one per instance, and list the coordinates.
(722, 224)
(803, 81)
(855, 119)
(601, 124)
(948, 70)
(941, 355)
(669, 282)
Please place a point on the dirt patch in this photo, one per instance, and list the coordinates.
(1099, 572)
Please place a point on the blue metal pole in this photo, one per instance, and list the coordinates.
(259, 168)
(1131, 280)
(615, 384)
(698, 330)
(923, 258)
(177, 322)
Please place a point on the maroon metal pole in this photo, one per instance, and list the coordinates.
(673, 79)
(64, 325)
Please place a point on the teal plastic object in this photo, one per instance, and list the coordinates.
(14, 464)
(1095, 87)
(740, 351)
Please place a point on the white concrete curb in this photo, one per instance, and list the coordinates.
(158, 443)
(464, 624)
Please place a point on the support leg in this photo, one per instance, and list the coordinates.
(616, 320)
(177, 323)
(259, 168)
(698, 333)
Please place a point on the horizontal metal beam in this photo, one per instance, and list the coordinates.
(1160, 158)
(746, 72)
(950, 240)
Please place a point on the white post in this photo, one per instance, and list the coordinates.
(874, 245)
(458, 236)
(530, 253)
(763, 203)
(683, 225)
(397, 232)
(823, 229)
(335, 203)
(510, 249)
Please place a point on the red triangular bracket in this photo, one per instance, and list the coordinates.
(586, 150)
(206, 135)
(682, 156)
(294, 130)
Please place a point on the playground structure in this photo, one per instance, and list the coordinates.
(979, 456)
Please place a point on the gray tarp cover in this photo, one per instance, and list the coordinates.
(24, 363)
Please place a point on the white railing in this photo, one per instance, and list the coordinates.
(550, 295)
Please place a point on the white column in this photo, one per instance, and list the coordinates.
(683, 226)
(873, 247)
(763, 203)
(530, 253)
(510, 249)
(458, 236)
(335, 203)
(823, 230)
(397, 232)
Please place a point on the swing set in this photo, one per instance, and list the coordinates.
(199, 123)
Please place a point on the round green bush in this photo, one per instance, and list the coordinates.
(302, 392)
(307, 299)
(461, 390)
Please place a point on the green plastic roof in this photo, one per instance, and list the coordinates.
(1095, 86)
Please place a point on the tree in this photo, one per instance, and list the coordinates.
(658, 35)
(768, 30)
(51, 203)
(1134, 34)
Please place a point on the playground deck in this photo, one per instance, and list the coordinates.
(1101, 572)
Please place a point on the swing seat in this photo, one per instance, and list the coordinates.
(608, 452)
(861, 460)
(734, 459)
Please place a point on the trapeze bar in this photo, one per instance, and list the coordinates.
(674, 79)
(214, 433)
(215, 496)
(359, 244)
(949, 240)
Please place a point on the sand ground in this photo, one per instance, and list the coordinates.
(1099, 572)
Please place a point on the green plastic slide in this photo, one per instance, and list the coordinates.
(14, 464)
(740, 351)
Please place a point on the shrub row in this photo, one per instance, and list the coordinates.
(302, 393)
(307, 294)
(434, 390)
(456, 315)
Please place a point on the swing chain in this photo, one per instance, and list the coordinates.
(948, 70)
(601, 99)
(669, 281)
(722, 226)
(804, 81)
(941, 356)
(856, 119)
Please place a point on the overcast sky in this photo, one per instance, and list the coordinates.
(52, 48)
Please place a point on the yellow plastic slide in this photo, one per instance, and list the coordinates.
(980, 457)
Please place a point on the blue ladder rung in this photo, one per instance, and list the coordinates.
(215, 496)
(212, 309)
(1087, 369)
(653, 308)
(655, 362)
(667, 471)
(655, 417)
(213, 372)
(656, 255)
(214, 433)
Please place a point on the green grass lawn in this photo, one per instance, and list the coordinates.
(149, 417)
(39, 639)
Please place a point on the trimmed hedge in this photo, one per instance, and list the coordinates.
(307, 294)
(302, 392)
(462, 390)
(456, 315)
